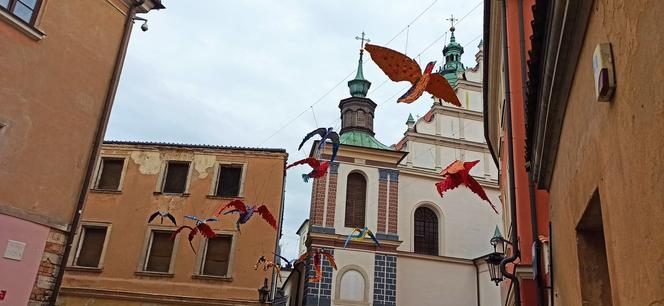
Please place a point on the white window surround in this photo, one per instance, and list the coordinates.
(202, 250)
(164, 170)
(147, 243)
(338, 286)
(217, 172)
(78, 239)
(99, 168)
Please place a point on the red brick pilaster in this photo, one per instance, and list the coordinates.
(50, 263)
(317, 201)
(393, 216)
(331, 200)
(382, 200)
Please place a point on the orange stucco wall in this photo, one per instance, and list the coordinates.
(51, 96)
(128, 213)
(615, 148)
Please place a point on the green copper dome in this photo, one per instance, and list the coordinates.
(453, 66)
(361, 139)
(359, 86)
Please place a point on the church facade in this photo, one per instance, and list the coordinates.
(431, 248)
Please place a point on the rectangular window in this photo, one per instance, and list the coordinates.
(229, 181)
(159, 252)
(110, 172)
(217, 256)
(25, 10)
(175, 180)
(90, 246)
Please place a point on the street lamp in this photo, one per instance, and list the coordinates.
(263, 292)
(494, 259)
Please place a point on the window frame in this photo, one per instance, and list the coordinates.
(35, 12)
(217, 175)
(147, 246)
(100, 168)
(441, 226)
(164, 172)
(78, 243)
(202, 253)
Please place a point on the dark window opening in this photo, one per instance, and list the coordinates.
(229, 181)
(217, 256)
(591, 248)
(426, 231)
(111, 171)
(176, 177)
(159, 252)
(356, 197)
(92, 244)
(26, 10)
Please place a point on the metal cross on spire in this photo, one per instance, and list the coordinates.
(452, 20)
(362, 40)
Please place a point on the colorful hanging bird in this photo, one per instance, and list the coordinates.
(325, 134)
(201, 226)
(399, 67)
(246, 212)
(268, 265)
(319, 168)
(458, 173)
(361, 234)
(316, 254)
(162, 214)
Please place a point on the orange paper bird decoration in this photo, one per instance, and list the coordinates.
(246, 212)
(399, 67)
(201, 227)
(458, 173)
(316, 254)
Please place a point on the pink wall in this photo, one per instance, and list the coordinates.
(18, 277)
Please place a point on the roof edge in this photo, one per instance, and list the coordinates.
(190, 146)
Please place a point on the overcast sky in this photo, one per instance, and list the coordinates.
(236, 72)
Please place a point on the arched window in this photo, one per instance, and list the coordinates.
(426, 231)
(356, 197)
(352, 286)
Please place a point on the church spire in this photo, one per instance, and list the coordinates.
(359, 86)
(453, 68)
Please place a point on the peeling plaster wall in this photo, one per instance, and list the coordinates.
(149, 163)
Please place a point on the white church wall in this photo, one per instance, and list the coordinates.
(432, 283)
(423, 155)
(467, 222)
(428, 128)
(473, 130)
(358, 260)
(449, 125)
(489, 292)
(371, 208)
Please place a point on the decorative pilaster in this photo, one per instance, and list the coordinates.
(331, 195)
(317, 202)
(50, 263)
(393, 215)
(385, 280)
(320, 293)
(382, 200)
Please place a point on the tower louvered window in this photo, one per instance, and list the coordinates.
(356, 197)
(426, 231)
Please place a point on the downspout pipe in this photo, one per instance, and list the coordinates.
(477, 281)
(96, 145)
(273, 287)
(510, 148)
(531, 186)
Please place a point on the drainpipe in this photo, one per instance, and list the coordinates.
(531, 185)
(281, 227)
(477, 281)
(96, 145)
(510, 149)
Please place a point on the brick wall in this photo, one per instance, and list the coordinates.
(393, 215)
(48, 268)
(332, 194)
(382, 200)
(317, 201)
(319, 293)
(385, 280)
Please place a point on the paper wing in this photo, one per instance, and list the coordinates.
(475, 187)
(330, 258)
(396, 66)
(440, 88)
(265, 213)
(319, 131)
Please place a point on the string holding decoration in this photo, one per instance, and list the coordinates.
(200, 227)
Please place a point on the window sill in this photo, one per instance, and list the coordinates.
(213, 277)
(184, 195)
(216, 197)
(23, 27)
(155, 274)
(109, 191)
(83, 269)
